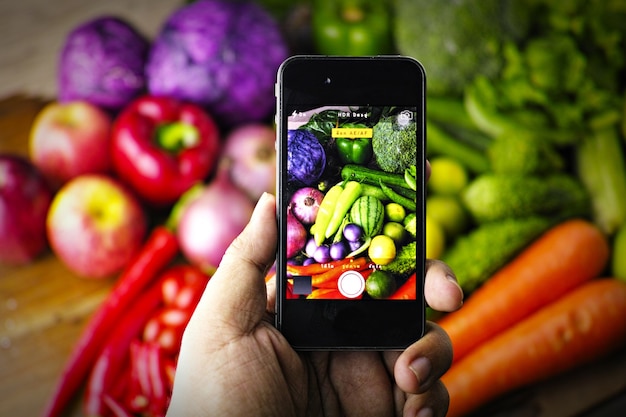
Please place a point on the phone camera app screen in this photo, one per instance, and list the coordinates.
(352, 223)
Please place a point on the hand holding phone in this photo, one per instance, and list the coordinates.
(351, 173)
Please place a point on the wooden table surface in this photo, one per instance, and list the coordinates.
(43, 308)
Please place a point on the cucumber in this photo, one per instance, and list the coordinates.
(373, 176)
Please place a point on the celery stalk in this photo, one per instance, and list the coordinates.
(602, 169)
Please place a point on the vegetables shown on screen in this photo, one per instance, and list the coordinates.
(354, 150)
(306, 158)
(361, 213)
(305, 204)
(394, 143)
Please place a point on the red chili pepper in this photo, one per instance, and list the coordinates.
(158, 251)
(159, 396)
(184, 286)
(166, 328)
(407, 291)
(162, 146)
(320, 268)
(109, 364)
(116, 408)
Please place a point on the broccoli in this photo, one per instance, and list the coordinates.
(476, 256)
(457, 40)
(518, 152)
(405, 261)
(492, 197)
(394, 144)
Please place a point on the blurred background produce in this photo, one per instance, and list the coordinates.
(527, 199)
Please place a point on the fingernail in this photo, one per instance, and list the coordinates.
(260, 202)
(453, 279)
(425, 412)
(421, 367)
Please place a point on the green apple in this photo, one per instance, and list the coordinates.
(95, 225)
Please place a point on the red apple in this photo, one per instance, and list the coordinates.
(24, 201)
(95, 225)
(251, 153)
(70, 139)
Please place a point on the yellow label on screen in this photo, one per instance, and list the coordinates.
(351, 132)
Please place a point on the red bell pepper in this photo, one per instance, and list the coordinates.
(161, 146)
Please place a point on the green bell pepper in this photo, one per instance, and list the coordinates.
(351, 27)
(354, 150)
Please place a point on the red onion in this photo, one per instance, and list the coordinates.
(296, 234)
(210, 222)
(305, 204)
(251, 149)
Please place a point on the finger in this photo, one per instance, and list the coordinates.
(434, 402)
(270, 288)
(441, 289)
(361, 383)
(425, 361)
(235, 297)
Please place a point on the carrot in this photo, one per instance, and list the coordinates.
(582, 326)
(317, 268)
(329, 278)
(561, 259)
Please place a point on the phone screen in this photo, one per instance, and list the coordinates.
(357, 239)
(351, 212)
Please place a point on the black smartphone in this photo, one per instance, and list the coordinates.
(350, 207)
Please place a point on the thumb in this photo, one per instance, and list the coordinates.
(235, 299)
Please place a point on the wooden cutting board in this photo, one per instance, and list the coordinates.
(44, 306)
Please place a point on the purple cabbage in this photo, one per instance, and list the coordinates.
(306, 158)
(102, 61)
(222, 55)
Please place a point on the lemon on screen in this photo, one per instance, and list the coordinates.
(382, 250)
(447, 176)
(435, 239)
(395, 212)
(395, 231)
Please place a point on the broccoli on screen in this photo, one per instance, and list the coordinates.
(394, 144)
